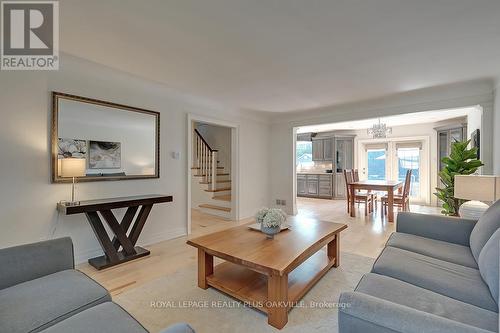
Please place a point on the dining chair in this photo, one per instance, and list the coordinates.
(375, 194)
(400, 200)
(355, 174)
(365, 198)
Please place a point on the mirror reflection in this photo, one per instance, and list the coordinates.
(116, 141)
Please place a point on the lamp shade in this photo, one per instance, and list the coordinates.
(481, 188)
(73, 167)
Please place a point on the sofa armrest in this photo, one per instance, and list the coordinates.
(372, 312)
(179, 328)
(31, 261)
(444, 228)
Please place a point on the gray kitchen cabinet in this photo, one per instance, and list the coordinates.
(331, 148)
(325, 186)
(328, 149)
(344, 153)
(312, 185)
(446, 137)
(344, 159)
(301, 185)
(322, 149)
(340, 188)
(317, 150)
(315, 185)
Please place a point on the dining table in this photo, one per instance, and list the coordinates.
(388, 186)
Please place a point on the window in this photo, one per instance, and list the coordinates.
(304, 154)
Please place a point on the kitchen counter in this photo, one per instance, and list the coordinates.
(313, 173)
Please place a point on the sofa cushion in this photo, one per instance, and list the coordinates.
(459, 282)
(421, 299)
(487, 224)
(489, 262)
(179, 328)
(103, 318)
(37, 304)
(451, 252)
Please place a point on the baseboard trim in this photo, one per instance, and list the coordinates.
(83, 256)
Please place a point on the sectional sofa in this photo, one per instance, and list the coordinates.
(40, 291)
(436, 274)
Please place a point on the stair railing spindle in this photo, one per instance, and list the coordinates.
(214, 170)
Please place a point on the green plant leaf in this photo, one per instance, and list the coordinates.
(462, 161)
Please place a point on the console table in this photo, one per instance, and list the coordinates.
(122, 247)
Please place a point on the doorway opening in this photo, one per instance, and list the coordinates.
(213, 166)
(417, 142)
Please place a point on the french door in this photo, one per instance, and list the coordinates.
(376, 162)
(408, 157)
(392, 159)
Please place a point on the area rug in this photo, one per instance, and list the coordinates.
(177, 298)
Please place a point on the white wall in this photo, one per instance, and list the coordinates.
(446, 97)
(28, 199)
(474, 120)
(497, 132)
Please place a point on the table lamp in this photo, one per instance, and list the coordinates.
(481, 190)
(72, 168)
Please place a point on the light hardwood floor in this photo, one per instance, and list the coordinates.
(365, 236)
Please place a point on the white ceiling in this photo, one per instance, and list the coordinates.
(286, 55)
(392, 121)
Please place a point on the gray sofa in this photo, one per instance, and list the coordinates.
(40, 291)
(436, 274)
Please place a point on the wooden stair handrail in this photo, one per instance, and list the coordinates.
(205, 142)
(206, 159)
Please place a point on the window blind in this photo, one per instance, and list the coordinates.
(304, 137)
(373, 146)
(409, 144)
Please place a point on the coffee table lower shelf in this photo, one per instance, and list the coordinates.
(251, 287)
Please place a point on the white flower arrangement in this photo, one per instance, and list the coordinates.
(259, 217)
(271, 217)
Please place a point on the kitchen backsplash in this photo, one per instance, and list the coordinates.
(316, 167)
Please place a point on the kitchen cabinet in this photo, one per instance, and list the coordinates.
(315, 185)
(344, 159)
(328, 149)
(301, 185)
(325, 186)
(322, 149)
(446, 136)
(317, 150)
(340, 188)
(312, 185)
(337, 150)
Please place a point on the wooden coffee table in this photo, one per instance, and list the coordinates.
(268, 274)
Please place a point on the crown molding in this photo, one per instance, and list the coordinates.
(432, 98)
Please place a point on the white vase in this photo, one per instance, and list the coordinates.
(269, 231)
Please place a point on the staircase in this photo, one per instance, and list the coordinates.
(211, 183)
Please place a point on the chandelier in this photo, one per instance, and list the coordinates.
(380, 130)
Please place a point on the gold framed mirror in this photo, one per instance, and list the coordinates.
(112, 141)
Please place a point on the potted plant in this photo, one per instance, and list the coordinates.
(270, 220)
(462, 161)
